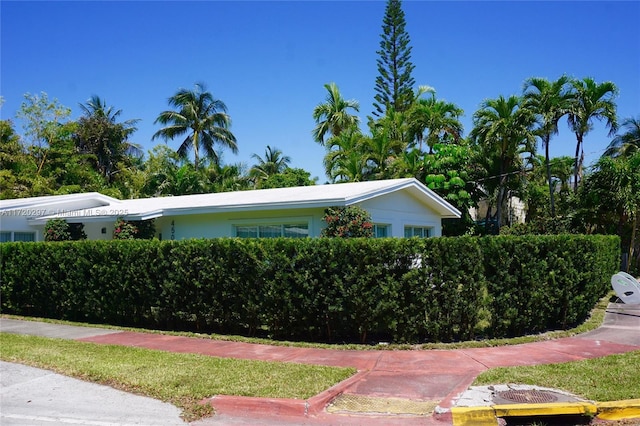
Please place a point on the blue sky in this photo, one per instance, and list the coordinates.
(268, 60)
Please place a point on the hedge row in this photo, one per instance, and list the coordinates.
(406, 290)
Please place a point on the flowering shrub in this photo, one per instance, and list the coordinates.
(56, 230)
(60, 230)
(124, 230)
(135, 229)
(346, 222)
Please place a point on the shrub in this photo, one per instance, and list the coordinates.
(134, 229)
(347, 222)
(323, 289)
(60, 230)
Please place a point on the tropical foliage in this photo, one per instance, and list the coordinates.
(60, 230)
(627, 143)
(549, 101)
(333, 116)
(273, 163)
(204, 121)
(347, 222)
(133, 229)
(503, 131)
(103, 140)
(591, 101)
(413, 133)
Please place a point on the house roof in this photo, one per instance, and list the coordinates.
(99, 207)
(54, 205)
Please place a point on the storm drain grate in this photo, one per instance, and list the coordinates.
(527, 396)
(347, 403)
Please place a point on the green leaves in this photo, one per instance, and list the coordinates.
(347, 222)
(326, 289)
(204, 121)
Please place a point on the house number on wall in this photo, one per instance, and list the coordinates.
(173, 230)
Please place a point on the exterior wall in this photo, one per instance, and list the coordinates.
(217, 225)
(20, 224)
(94, 230)
(11, 223)
(400, 210)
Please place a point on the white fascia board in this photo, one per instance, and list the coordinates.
(146, 215)
(71, 219)
(253, 207)
(57, 206)
(444, 208)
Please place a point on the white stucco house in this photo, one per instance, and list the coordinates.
(398, 207)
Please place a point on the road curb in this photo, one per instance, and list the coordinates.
(619, 410)
(488, 415)
(282, 406)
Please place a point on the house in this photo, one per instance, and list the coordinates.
(514, 213)
(398, 207)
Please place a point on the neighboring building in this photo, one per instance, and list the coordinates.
(515, 212)
(398, 208)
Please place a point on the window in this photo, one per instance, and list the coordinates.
(296, 231)
(247, 231)
(417, 231)
(300, 230)
(24, 236)
(8, 236)
(380, 231)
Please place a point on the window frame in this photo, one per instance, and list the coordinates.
(423, 228)
(379, 226)
(284, 224)
(12, 236)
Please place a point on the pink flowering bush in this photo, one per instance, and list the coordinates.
(347, 222)
(124, 230)
(130, 230)
(60, 230)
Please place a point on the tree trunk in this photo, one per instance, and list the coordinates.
(632, 244)
(551, 188)
(577, 168)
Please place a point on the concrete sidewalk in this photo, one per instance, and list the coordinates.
(427, 387)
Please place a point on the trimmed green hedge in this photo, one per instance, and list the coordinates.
(405, 290)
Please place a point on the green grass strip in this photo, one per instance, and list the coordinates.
(181, 379)
(610, 378)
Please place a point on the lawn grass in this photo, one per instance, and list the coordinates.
(181, 379)
(610, 378)
(185, 379)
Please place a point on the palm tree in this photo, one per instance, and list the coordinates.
(333, 115)
(381, 151)
(627, 143)
(228, 177)
(549, 101)
(504, 130)
(590, 101)
(409, 164)
(439, 118)
(350, 167)
(345, 160)
(273, 163)
(105, 140)
(96, 107)
(202, 118)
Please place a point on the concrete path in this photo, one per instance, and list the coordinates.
(32, 396)
(434, 378)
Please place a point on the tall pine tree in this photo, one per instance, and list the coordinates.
(394, 85)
